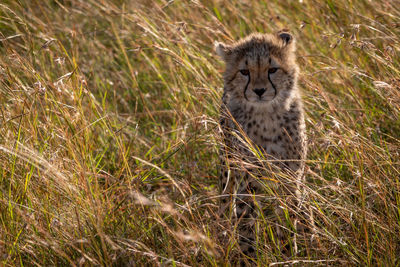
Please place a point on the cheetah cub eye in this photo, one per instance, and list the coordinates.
(245, 72)
(272, 70)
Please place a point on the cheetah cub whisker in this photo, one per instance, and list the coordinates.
(262, 123)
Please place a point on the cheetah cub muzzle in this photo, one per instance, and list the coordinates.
(262, 123)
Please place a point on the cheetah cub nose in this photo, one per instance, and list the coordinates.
(259, 91)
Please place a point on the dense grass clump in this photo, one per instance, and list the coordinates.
(109, 130)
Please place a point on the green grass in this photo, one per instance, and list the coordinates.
(109, 140)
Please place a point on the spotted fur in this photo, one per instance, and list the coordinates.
(261, 113)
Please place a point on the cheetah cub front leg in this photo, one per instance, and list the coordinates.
(262, 121)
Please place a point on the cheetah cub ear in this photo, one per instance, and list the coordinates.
(222, 50)
(286, 37)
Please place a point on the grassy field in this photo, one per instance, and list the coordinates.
(109, 138)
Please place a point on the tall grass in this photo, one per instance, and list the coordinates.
(109, 133)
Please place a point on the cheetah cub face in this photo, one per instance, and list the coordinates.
(260, 70)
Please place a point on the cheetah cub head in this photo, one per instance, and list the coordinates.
(260, 70)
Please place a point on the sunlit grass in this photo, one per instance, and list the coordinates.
(109, 130)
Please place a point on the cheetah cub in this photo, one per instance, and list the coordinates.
(262, 123)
